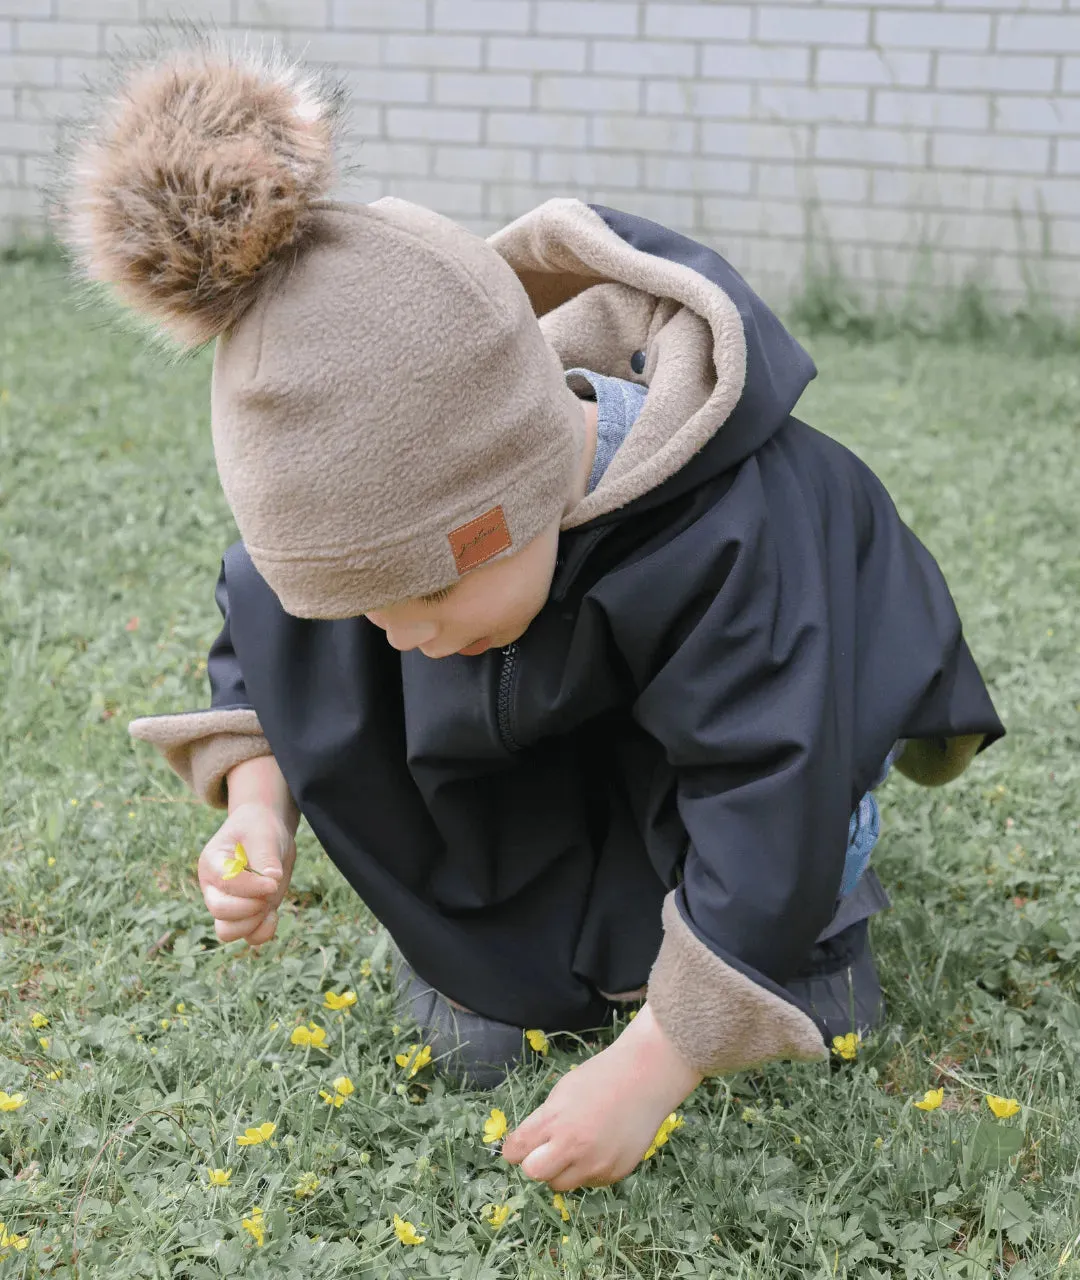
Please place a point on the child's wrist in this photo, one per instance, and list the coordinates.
(652, 1045)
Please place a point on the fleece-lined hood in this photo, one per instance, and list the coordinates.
(722, 372)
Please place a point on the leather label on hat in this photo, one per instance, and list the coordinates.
(479, 540)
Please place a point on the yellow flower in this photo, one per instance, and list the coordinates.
(931, 1100)
(218, 1177)
(495, 1125)
(254, 1224)
(307, 1186)
(252, 1137)
(38, 1020)
(50, 861)
(394, 1029)
(181, 1007)
(309, 1035)
(538, 1041)
(8, 1240)
(334, 1001)
(673, 1122)
(422, 1058)
(274, 1026)
(237, 863)
(11, 1101)
(633, 1015)
(344, 1085)
(560, 1204)
(43, 1041)
(55, 1075)
(163, 1023)
(406, 1232)
(336, 1099)
(365, 968)
(847, 1047)
(1002, 1107)
(498, 1214)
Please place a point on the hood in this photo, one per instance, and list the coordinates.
(722, 372)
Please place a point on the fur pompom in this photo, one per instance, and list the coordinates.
(196, 182)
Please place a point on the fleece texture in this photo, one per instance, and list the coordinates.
(389, 415)
(720, 1020)
(202, 746)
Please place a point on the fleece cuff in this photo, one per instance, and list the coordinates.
(202, 746)
(720, 1020)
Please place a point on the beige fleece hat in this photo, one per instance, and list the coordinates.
(386, 412)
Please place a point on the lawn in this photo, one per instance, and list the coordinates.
(162, 1046)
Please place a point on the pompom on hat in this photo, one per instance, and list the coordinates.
(386, 412)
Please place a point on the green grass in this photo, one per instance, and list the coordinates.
(110, 512)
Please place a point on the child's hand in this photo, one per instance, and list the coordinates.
(245, 905)
(599, 1119)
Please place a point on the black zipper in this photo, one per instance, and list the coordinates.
(502, 706)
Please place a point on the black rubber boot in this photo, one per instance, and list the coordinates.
(838, 979)
(471, 1051)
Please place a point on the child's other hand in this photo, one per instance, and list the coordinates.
(600, 1119)
(245, 906)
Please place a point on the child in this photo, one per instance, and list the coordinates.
(579, 654)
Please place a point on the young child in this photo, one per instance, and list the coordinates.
(579, 654)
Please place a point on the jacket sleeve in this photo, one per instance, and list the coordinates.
(747, 713)
(202, 746)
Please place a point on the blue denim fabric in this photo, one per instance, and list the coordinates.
(618, 403)
(864, 829)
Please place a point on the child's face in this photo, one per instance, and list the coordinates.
(485, 609)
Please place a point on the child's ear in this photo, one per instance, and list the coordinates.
(932, 762)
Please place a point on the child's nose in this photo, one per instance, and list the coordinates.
(411, 635)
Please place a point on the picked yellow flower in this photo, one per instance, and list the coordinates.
(237, 863)
(1002, 1107)
(218, 1177)
(847, 1047)
(38, 1020)
(415, 1056)
(343, 1001)
(309, 1035)
(538, 1041)
(560, 1204)
(307, 1186)
(260, 1133)
(673, 1122)
(497, 1216)
(406, 1232)
(495, 1125)
(8, 1239)
(11, 1101)
(255, 1226)
(931, 1100)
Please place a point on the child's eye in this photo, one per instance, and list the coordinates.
(436, 597)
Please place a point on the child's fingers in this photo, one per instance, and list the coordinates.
(265, 931)
(546, 1162)
(532, 1131)
(224, 906)
(245, 885)
(230, 930)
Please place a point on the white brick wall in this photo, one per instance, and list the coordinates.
(900, 128)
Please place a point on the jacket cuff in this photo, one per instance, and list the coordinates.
(720, 1020)
(202, 746)
(932, 762)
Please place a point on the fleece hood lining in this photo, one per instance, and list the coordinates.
(598, 299)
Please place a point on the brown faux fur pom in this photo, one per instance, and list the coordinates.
(189, 189)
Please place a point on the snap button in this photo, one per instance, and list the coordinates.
(637, 362)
